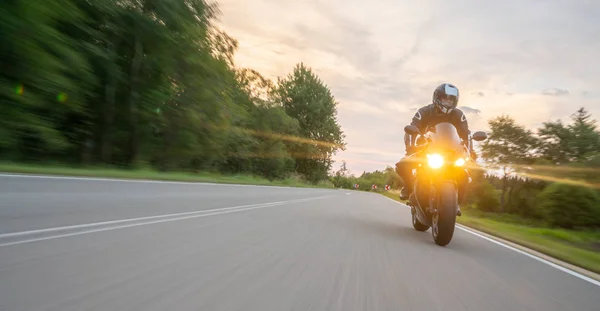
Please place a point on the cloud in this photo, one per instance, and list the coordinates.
(383, 59)
(469, 110)
(555, 92)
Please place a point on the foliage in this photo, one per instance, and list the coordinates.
(570, 206)
(154, 83)
(137, 83)
(571, 143)
(585, 139)
(549, 176)
(555, 178)
(305, 98)
(508, 144)
(366, 180)
(486, 198)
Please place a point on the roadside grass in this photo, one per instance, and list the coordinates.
(579, 248)
(144, 173)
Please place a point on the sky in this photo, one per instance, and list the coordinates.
(535, 60)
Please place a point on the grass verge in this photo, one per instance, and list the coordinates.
(151, 174)
(579, 248)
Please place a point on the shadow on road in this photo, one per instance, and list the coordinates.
(382, 228)
(390, 230)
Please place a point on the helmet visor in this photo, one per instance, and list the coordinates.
(447, 103)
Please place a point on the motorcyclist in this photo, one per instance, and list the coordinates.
(442, 109)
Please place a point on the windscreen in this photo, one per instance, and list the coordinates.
(445, 139)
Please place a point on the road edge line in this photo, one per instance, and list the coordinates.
(151, 181)
(558, 264)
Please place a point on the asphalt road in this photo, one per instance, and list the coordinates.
(75, 244)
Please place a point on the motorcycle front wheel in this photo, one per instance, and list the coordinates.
(444, 221)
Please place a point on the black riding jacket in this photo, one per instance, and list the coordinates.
(429, 116)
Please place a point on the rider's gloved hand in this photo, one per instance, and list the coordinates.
(473, 155)
(411, 149)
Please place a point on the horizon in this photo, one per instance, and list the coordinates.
(383, 60)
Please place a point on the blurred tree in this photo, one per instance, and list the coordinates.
(555, 140)
(305, 98)
(507, 146)
(147, 82)
(45, 79)
(570, 206)
(585, 139)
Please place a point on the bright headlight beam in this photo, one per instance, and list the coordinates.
(435, 161)
(460, 162)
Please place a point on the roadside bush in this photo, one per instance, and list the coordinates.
(569, 206)
(523, 200)
(485, 197)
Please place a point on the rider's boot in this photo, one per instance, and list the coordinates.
(405, 193)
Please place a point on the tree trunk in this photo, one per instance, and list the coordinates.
(108, 110)
(504, 187)
(136, 65)
(511, 187)
(86, 150)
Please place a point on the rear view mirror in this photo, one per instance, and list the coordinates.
(479, 136)
(411, 130)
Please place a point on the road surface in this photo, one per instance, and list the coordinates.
(87, 244)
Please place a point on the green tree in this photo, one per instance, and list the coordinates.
(555, 140)
(570, 206)
(585, 139)
(44, 81)
(152, 82)
(508, 146)
(307, 99)
(562, 144)
(340, 178)
(274, 129)
(393, 179)
(486, 199)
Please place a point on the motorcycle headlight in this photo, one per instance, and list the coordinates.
(435, 160)
(460, 162)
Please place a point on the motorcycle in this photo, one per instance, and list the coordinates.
(434, 200)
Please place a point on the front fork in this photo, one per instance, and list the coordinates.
(433, 203)
(431, 208)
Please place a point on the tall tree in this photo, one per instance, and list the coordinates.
(151, 82)
(508, 146)
(307, 99)
(45, 78)
(584, 137)
(555, 142)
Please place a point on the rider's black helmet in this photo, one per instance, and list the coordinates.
(445, 97)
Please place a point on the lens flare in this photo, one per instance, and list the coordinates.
(435, 161)
(20, 89)
(62, 97)
(460, 162)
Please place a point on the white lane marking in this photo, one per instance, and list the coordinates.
(183, 216)
(561, 268)
(149, 181)
(111, 222)
(542, 260)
